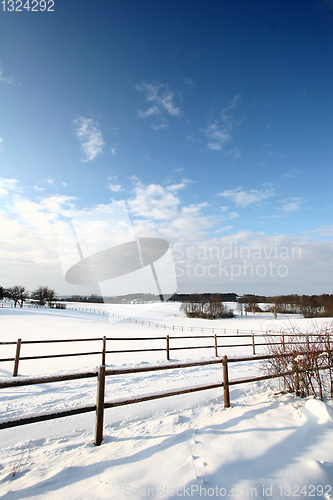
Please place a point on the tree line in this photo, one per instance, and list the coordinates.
(310, 306)
(211, 307)
(19, 294)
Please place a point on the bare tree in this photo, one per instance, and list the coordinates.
(18, 294)
(44, 295)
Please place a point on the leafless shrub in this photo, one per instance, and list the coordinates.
(305, 359)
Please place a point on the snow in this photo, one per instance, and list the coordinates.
(268, 444)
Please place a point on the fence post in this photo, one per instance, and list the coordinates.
(104, 350)
(100, 406)
(215, 344)
(17, 357)
(253, 344)
(167, 348)
(225, 381)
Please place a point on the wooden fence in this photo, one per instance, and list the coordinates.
(103, 372)
(152, 324)
(167, 340)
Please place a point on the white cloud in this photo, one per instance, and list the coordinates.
(217, 136)
(7, 185)
(38, 188)
(153, 201)
(249, 262)
(218, 130)
(243, 198)
(176, 187)
(1, 144)
(158, 212)
(150, 112)
(161, 99)
(291, 204)
(115, 187)
(88, 133)
(29, 251)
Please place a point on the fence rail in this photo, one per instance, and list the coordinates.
(253, 344)
(101, 404)
(152, 324)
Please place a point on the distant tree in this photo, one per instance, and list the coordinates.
(210, 308)
(18, 294)
(327, 302)
(50, 297)
(276, 306)
(75, 298)
(44, 295)
(95, 298)
(251, 303)
(240, 308)
(310, 306)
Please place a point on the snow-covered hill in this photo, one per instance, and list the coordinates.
(267, 445)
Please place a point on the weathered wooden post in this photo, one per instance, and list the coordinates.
(100, 406)
(253, 344)
(225, 381)
(104, 350)
(307, 342)
(17, 357)
(167, 347)
(215, 345)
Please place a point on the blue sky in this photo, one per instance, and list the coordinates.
(211, 120)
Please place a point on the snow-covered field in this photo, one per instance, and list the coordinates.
(267, 445)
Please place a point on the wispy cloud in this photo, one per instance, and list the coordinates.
(324, 232)
(5, 79)
(88, 133)
(1, 144)
(293, 173)
(154, 110)
(292, 204)
(218, 130)
(243, 198)
(188, 81)
(217, 136)
(161, 103)
(233, 154)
